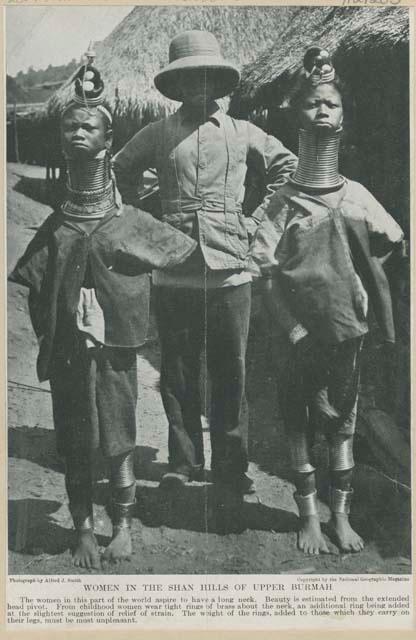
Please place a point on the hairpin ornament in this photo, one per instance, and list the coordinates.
(89, 86)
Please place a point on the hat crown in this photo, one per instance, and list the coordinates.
(194, 43)
(192, 50)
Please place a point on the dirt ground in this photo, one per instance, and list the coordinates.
(174, 535)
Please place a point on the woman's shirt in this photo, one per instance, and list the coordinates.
(320, 249)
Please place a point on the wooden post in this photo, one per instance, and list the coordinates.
(115, 118)
(16, 138)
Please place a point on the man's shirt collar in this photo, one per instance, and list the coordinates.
(212, 112)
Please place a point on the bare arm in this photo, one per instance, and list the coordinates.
(384, 233)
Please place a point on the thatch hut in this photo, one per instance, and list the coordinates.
(138, 48)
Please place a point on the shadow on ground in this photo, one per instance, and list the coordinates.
(195, 510)
(31, 531)
(39, 190)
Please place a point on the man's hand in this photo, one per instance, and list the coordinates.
(251, 226)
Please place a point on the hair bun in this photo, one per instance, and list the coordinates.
(318, 65)
(88, 85)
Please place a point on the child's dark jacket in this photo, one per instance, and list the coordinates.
(117, 254)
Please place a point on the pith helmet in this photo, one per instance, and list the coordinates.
(196, 50)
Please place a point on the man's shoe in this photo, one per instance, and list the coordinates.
(173, 481)
(200, 475)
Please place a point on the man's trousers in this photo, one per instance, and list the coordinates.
(189, 321)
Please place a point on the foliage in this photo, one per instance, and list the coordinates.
(51, 74)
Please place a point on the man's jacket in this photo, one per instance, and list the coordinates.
(201, 165)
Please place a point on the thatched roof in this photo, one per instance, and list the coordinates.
(138, 48)
(338, 29)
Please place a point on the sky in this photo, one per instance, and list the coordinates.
(40, 36)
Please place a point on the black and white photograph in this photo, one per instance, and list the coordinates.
(208, 291)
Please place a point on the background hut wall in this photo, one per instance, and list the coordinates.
(376, 153)
(29, 132)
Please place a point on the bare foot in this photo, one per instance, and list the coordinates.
(120, 547)
(346, 538)
(310, 538)
(86, 554)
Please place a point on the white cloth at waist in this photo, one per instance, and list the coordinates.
(90, 318)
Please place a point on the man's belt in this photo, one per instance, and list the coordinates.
(188, 205)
